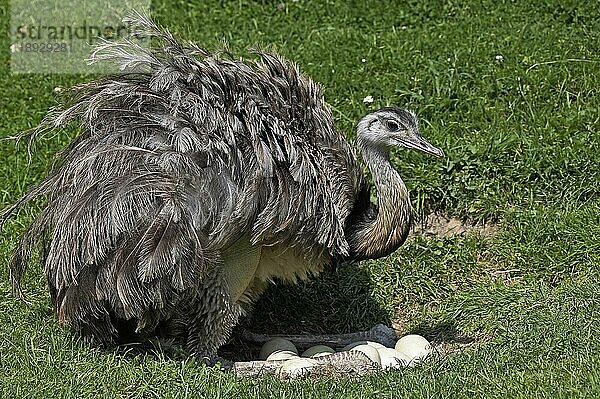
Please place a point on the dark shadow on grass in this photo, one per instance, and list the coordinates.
(339, 300)
(445, 332)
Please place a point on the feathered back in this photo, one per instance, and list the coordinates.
(177, 157)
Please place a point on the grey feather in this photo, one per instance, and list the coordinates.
(177, 158)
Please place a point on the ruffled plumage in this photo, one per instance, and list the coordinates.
(177, 157)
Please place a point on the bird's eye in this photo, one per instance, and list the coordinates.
(392, 126)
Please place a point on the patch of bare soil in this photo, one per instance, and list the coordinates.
(442, 226)
(459, 344)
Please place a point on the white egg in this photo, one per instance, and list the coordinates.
(392, 359)
(281, 355)
(368, 350)
(317, 350)
(276, 344)
(370, 343)
(296, 367)
(414, 347)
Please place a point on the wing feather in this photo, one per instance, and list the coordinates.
(177, 157)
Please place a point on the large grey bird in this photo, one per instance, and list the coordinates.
(197, 179)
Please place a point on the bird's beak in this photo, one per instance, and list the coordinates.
(417, 142)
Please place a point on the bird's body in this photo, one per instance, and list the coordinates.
(195, 180)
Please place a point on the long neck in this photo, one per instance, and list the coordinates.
(380, 230)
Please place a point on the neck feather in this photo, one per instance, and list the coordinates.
(380, 230)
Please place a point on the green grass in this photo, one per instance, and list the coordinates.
(521, 136)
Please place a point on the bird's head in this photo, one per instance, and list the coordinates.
(393, 127)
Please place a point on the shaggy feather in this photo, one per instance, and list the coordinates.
(177, 158)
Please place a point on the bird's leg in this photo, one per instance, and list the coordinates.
(356, 363)
(255, 368)
(380, 333)
(211, 319)
(341, 363)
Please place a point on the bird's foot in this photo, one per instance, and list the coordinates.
(335, 364)
(340, 363)
(380, 333)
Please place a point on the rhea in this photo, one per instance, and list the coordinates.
(196, 179)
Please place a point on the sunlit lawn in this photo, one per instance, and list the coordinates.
(509, 91)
